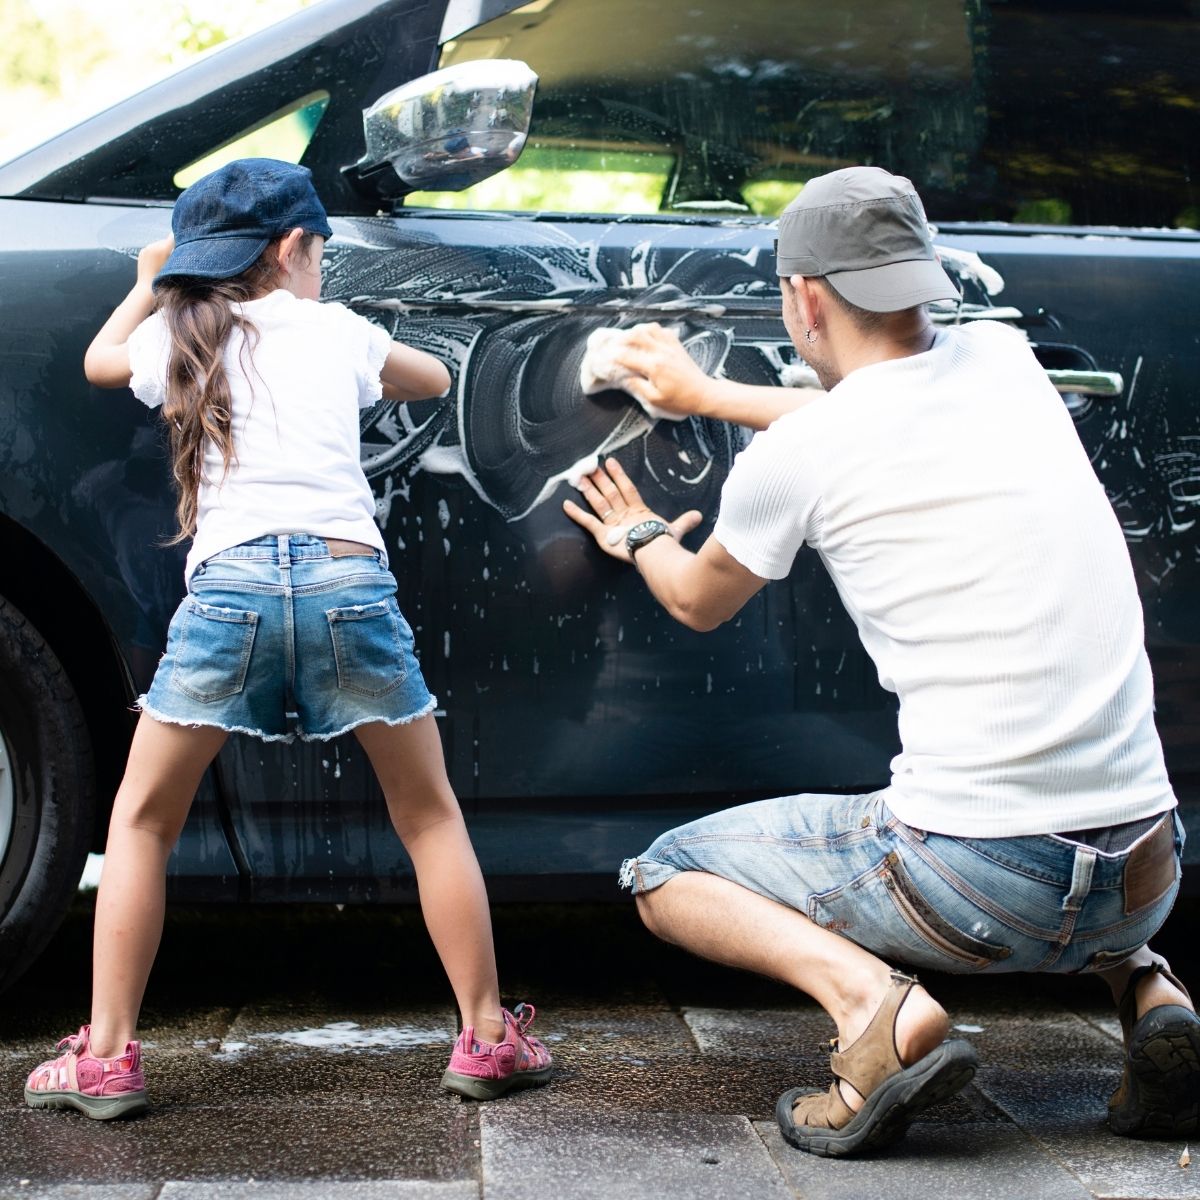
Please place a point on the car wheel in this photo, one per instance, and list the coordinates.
(47, 796)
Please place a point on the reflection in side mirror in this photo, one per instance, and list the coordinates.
(448, 130)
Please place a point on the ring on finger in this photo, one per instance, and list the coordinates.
(605, 515)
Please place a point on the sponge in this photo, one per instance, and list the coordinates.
(600, 371)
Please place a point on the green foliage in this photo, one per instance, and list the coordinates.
(60, 60)
(1047, 211)
(27, 48)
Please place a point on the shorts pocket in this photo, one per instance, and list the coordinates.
(372, 644)
(930, 926)
(213, 652)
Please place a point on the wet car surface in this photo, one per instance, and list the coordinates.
(578, 719)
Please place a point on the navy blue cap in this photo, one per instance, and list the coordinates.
(224, 221)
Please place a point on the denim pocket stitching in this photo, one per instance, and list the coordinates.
(342, 656)
(976, 897)
(197, 610)
(906, 897)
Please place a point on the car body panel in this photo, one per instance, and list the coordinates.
(578, 719)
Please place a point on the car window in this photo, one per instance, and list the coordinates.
(285, 135)
(1038, 111)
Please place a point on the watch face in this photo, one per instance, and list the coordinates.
(643, 532)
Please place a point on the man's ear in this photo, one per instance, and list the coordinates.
(808, 301)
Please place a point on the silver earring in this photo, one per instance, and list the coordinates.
(808, 337)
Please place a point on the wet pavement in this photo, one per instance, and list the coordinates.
(296, 1052)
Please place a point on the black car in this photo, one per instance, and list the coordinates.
(1057, 146)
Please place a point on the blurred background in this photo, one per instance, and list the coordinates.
(62, 60)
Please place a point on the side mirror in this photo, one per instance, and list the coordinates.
(448, 130)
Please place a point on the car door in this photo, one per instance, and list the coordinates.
(654, 166)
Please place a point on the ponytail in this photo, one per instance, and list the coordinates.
(200, 316)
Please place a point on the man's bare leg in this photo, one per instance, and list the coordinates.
(730, 924)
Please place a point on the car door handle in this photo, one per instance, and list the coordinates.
(1087, 383)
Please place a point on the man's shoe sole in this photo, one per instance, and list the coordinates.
(889, 1110)
(1162, 1096)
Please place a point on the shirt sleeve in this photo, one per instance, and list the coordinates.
(369, 345)
(149, 348)
(769, 505)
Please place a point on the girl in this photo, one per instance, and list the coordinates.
(290, 604)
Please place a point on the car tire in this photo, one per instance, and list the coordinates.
(47, 793)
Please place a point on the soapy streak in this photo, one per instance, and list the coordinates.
(520, 425)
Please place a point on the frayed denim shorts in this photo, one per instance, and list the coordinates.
(277, 638)
(953, 904)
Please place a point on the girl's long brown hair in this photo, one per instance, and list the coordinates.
(199, 316)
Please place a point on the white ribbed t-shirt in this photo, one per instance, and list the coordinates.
(952, 503)
(297, 390)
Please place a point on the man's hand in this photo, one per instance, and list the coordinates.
(152, 259)
(618, 507)
(666, 375)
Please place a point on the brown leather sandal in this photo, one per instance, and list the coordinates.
(1159, 1092)
(823, 1123)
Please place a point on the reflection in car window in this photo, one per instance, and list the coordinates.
(1041, 111)
(284, 134)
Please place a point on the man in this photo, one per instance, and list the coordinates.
(1029, 822)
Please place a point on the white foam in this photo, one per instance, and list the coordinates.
(799, 375)
(585, 466)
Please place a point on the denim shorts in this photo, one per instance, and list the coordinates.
(279, 639)
(941, 903)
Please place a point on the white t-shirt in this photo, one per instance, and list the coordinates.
(951, 501)
(297, 390)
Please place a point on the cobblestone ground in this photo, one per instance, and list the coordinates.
(296, 1053)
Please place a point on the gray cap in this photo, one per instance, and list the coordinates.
(864, 230)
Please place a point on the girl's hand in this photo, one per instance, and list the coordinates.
(666, 374)
(618, 507)
(152, 259)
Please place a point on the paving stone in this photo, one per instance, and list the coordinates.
(1034, 1038)
(700, 1157)
(802, 1031)
(280, 1072)
(34, 1028)
(983, 1162)
(16, 1190)
(304, 1023)
(644, 1031)
(1065, 1111)
(392, 1189)
(383, 1138)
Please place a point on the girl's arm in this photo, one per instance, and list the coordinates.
(106, 363)
(410, 374)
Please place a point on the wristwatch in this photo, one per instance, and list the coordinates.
(642, 533)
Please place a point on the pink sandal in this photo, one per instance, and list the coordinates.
(485, 1070)
(101, 1088)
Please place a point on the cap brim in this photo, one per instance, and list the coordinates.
(213, 258)
(895, 286)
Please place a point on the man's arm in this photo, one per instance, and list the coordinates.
(668, 377)
(699, 590)
(106, 363)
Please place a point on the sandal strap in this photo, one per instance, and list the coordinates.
(873, 1057)
(1127, 1005)
(822, 1110)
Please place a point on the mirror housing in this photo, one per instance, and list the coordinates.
(447, 130)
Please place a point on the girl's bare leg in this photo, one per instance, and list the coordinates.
(412, 772)
(166, 764)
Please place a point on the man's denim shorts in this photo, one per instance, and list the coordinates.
(953, 904)
(277, 638)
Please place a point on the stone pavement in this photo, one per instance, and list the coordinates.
(295, 1053)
